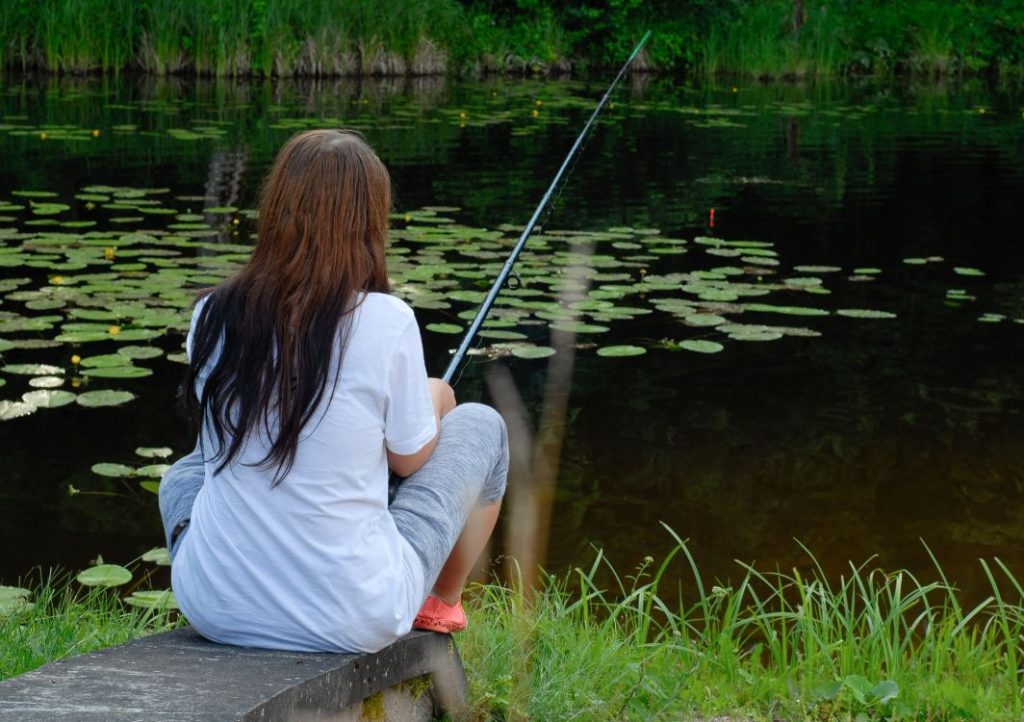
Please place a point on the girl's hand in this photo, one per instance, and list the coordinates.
(442, 395)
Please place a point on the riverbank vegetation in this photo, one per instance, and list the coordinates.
(596, 644)
(760, 38)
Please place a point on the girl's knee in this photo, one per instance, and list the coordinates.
(484, 419)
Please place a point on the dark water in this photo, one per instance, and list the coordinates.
(866, 440)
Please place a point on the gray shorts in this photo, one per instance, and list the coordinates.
(468, 467)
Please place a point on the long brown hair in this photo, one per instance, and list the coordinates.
(281, 321)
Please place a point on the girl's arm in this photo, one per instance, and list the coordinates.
(443, 398)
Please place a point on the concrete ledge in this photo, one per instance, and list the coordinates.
(179, 676)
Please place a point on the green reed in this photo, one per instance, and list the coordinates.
(65, 619)
(881, 645)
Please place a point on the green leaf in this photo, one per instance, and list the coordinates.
(140, 352)
(118, 372)
(705, 319)
(45, 382)
(153, 452)
(449, 328)
(826, 691)
(966, 271)
(864, 313)
(150, 485)
(859, 686)
(532, 352)
(116, 471)
(105, 397)
(153, 599)
(104, 575)
(624, 350)
(157, 555)
(32, 369)
(885, 691)
(700, 346)
(48, 398)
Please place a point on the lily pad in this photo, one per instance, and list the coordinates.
(150, 485)
(104, 575)
(965, 271)
(701, 346)
(157, 470)
(447, 328)
(105, 397)
(153, 452)
(532, 352)
(864, 313)
(48, 398)
(116, 471)
(15, 409)
(32, 369)
(153, 599)
(118, 372)
(140, 352)
(46, 382)
(157, 555)
(623, 350)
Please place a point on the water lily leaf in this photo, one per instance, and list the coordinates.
(140, 352)
(578, 327)
(705, 319)
(32, 369)
(104, 575)
(157, 555)
(787, 310)
(116, 471)
(153, 599)
(915, 261)
(449, 328)
(817, 269)
(118, 372)
(106, 360)
(150, 485)
(756, 336)
(46, 382)
(153, 452)
(864, 313)
(157, 470)
(867, 271)
(623, 350)
(105, 397)
(48, 398)
(15, 409)
(532, 352)
(701, 346)
(14, 600)
(965, 271)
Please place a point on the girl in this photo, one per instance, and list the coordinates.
(309, 382)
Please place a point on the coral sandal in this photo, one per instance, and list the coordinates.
(437, 616)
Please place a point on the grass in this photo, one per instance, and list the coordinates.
(64, 620)
(235, 38)
(871, 645)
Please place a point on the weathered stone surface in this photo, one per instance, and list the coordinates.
(179, 676)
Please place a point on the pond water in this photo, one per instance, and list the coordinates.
(856, 298)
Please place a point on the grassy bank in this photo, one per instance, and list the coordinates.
(871, 645)
(762, 38)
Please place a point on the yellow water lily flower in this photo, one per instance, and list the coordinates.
(76, 359)
(109, 253)
(114, 330)
(57, 280)
(96, 133)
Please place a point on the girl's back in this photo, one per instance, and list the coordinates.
(315, 561)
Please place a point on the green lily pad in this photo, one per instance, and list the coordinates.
(104, 575)
(153, 599)
(701, 346)
(32, 369)
(93, 399)
(157, 555)
(864, 313)
(157, 470)
(140, 352)
(118, 372)
(46, 382)
(150, 485)
(153, 452)
(623, 350)
(532, 352)
(48, 398)
(965, 271)
(447, 328)
(116, 471)
(705, 319)
(104, 361)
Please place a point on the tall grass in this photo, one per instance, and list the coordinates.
(781, 645)
(62, 620)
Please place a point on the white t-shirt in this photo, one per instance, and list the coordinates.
(316, 563)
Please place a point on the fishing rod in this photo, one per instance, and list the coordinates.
(506, 270)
